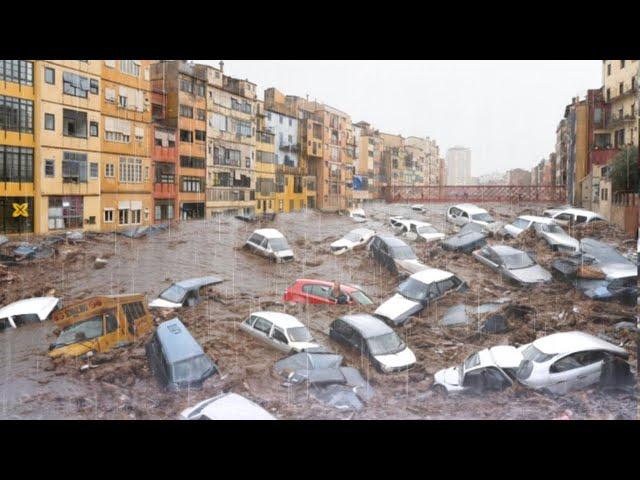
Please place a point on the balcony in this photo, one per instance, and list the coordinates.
(293, 148)
(631, 91)
(164, 154)
(265, 137)
(289, 169)
(619, 122)
(164, 190)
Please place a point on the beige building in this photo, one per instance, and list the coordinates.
(620, 89)
(458, 166)
(427, 154)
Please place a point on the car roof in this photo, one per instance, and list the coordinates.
(535, 218)
(567, 342)
(269, 232)
(361, 230)
(177, 342)
(325, 283)
(391, 240)
(504, 356)
(430, 275)
(229, 406)
(41, 306)
(581, 211)
(505, 250)
(198, 282)
(368, 325)
(470, 208)
(279, 319)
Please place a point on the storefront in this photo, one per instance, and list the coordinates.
(191, 211)
(164, 210)
(16, 215)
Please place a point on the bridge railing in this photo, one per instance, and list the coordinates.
(475, 193)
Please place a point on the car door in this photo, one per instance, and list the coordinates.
(592, 362)
(486, 256)
(279, 340)
(567, 373)
(111, 335)
(264, 247)
(262, 329)
(563, 219)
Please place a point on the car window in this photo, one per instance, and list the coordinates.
(445, 285)
(567, 363)
(279, 336)
(413, 228)
(580, 219)
(564, 216)
(343, 329)
(251, 320)
(111, 322)
(465, 215)
(590, 357)
(262, 325)
(265, 243)
(307, 289)
(256, 238)
(321, 291)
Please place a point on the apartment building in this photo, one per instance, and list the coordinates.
(427, 153)
(126, 182)
(518, 176)
(265, 166)
(393, 159)
(231, 143)
(18, 185)
(67, 125)
(369, 171)
(458, 166)
(576, 116)
(620, 90)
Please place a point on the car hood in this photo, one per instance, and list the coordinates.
(398, 308)
(342, 243)
(533, 274)
(514, 231)
(619, 270)
(429, 237)
(396, 360)
(302, 346)
(162, 303)
(412, 266)
(448, 376)
(563, 239)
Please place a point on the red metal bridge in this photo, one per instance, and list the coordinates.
(475, 193)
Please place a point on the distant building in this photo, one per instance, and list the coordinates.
(458, 166)
(519, 176)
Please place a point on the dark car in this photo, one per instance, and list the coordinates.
(395, 255)
(465, 242)
(177, 359)
(374, 339)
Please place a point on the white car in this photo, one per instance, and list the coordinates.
(489, 369)
(270, 243)
(524, 222)
(357, 215)
(352, 240)
(29, 310)
(228, 406)
(280, 330)
(576, 216)
(418, 208)
(565, 361)
(557, 238)
(416, 229)
(469, 213)
(416, 293)
(550, 212)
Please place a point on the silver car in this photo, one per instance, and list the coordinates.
(513, 264)
(557, 238)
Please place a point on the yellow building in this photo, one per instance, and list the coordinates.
(68, 150)
(17, 147)
(265, 170)
(126, 183)
(620, 90)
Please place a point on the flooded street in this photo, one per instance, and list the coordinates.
(121, 385)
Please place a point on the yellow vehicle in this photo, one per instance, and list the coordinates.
(99, 324)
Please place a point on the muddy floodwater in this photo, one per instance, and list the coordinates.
(120, 385)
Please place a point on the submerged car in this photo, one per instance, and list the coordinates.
(280, 330)
(352, 240)
(395, 255)
(374, 339)
(513, 264)
(491, 369)
(28, 310)
(565, 361)
(418, 208)
(99, 324)
(574, 216)
(176, 359)
(470, 237)
(557, 238)
(525, 222)
(227, 406)
(357, 215)
(416, 293)
(185, 293)
(416, 229)
(270, 243)
(469, 213)
(305, 290)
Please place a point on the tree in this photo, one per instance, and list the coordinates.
(624, 171)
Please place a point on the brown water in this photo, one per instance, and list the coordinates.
(32, 386)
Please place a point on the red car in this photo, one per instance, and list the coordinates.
(319, 291)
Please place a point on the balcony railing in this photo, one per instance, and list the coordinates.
(618, 122)
(265, 137)
(631, 91)
(294, 148)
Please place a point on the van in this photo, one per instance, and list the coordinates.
(176, 359)
(99, 324)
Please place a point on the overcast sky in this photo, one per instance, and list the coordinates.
(505, 111)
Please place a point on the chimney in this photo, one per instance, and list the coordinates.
(221, 66)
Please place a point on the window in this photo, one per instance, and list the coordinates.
(621, 64)
(262, 326)
(122, 101)
(130, 170)
(186, 111)
(16, 164)
(109, 170)
(130, 67)
(191, 162)
(16, 114)
(201, 135)
(186, 136)
(117, 130)
(50, 168)
(94, 86)
(49, 121)
(621, 88)
(225, 156)
(186, 85)
(192, 184)
(74, 123)
(123, 216)
(93, 129)
(110, 95)
(165, 172)
(65, 212)
(93, 170)
(265, 157)
(608, 70)
(202, 115)
(108, 215)
(219, 122)
(75, 85)
(201, 89)
(49, 76)
(16, 71)
(279, 336)
(74, 167)
(243, 128)
(135, 216)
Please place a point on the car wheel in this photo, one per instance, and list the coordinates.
(439, 391)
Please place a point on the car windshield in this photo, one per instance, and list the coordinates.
(353, 236)
(552, 229)
(299, 334)
(192, 369)
(535, 355)
(361, 298)
(427, 229)
(78, 332)
(515, 261)
(385, 344)
(403, 253)
(174, 294)
(482, 217)
(413, 289)
(278, 244)
(520, 223)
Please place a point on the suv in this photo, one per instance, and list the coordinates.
(394, 254)
(270, 243)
